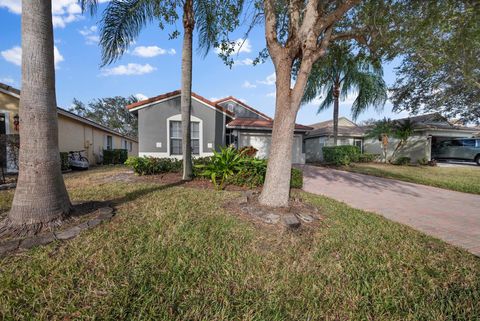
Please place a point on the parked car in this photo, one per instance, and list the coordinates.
(465, 149)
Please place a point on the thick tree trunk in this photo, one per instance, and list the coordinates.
(186, 88)
(336, 94)
(276, 189)
(40, 197)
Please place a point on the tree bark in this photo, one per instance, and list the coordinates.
(186, 88)
(276, 188)
(40, 197)
(336, 94)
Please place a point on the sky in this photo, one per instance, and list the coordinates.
(152, 65)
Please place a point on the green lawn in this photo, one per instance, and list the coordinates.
(174, 253)
(462, 179)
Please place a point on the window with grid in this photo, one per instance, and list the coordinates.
(176, 137)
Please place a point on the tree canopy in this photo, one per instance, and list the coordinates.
(110, 112)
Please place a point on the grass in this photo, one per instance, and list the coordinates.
(173, 253)
(461, 179)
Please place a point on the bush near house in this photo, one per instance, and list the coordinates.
(65, 163)
(152, 165)
(341, 155)
(367, 157)
(404, 160)
(114, 156)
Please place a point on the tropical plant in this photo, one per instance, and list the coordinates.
(382, 130)
(343, 73)
(123, 20)
(403, 129)
(41, 198)
(224, 164)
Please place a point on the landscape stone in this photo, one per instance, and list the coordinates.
(291, 221)
(105, 213)
(242, 200)
(37, 240)
(8, 246)
(271, 218)
(68, 234)
(94, 222)
(249, 194)
(305, 217)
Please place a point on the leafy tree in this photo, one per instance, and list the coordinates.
(403, 129)
(440, 45)
(383, 131)
(41, 198)
(342, 73)
(110, 112)
(123, 20)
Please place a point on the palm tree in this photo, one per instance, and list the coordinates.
(383, 130)
(41, 198)
(123, 20)
(403, 129)
(342, 73)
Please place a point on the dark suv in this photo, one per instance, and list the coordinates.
(465, 149)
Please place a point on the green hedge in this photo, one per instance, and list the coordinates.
(153, 165)
(296, 180)
(114, 156)
(367, 158)
(341, 155)
(65, 163)
(404, 160)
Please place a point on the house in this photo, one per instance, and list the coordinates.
(429, 130)
(321, 135)
(74, 132)
(214, 124)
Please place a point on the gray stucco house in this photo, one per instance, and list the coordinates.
(429, 130)
(214, 124)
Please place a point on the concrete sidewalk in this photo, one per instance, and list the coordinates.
(448, 215)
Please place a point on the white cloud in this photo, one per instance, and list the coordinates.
(214, 98)
(63, 11)
(151, 51)
(239, 46)
(270, 80)
(140, 96)
(243, 62)
(248, 84)
(128, 69)
(272, 94)
(90, 35)
(7, 80)
(14, 55)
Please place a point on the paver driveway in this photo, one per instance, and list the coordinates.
(451, 216)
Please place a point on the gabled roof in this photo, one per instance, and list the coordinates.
(325, 128)
(253, 110)
(14, 92)
(255, 123)
(173, 94)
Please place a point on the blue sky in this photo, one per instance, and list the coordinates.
(151, 67)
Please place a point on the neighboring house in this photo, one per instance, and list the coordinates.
(214, 124)
(429, 130)
(349, 133)
(74, 132)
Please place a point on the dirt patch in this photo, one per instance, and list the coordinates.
(297, 216)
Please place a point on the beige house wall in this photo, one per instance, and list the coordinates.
(73, 134)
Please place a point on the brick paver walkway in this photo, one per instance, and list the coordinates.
(448, 215)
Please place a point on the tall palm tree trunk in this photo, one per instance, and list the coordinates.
(40, 197)
(336, 94)
(186, 94)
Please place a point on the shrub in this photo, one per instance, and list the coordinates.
(114, 156)
(249, 151)
(341, 155)
(296, 180)
(152, 165)
(367, 158)
(404, 160)
(252, 173)
(65, 163)
(423, 161)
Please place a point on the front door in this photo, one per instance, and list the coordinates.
(3, 141)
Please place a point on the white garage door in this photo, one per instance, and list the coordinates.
(262, 143)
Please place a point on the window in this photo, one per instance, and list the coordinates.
(109, 142)
(176, 137)
(469, 142)
(125, 144)
(358, 143)
(131, 147)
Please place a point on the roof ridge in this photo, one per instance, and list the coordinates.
(218, 101)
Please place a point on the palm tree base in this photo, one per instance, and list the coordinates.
(9, 229)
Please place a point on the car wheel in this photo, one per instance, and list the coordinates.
(477, 160)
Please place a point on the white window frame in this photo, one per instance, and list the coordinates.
(178, 117)
(106, 142)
